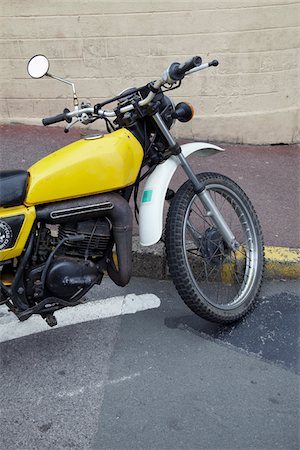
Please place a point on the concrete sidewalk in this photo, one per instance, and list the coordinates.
(268, 174)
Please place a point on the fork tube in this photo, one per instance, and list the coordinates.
(211, 210)
(164, 129)
(172, 143)
(199, 188)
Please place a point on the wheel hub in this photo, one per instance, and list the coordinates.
(212, 247)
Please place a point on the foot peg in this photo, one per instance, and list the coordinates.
(51, 320)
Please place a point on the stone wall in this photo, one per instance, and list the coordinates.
(105, 46)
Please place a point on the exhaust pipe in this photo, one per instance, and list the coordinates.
(110, 205)
(121, 219)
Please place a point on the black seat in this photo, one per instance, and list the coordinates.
(13, 184)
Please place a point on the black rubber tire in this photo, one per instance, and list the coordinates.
(178, 266)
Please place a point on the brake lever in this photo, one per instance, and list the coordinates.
(67, 128)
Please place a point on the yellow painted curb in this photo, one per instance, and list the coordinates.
(282, 262)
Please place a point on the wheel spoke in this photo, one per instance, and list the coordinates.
(200, 215)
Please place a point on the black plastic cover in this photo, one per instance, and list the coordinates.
(13, 184)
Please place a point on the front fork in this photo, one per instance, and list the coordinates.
(211, 209)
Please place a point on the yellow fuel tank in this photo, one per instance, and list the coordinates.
(86, 167)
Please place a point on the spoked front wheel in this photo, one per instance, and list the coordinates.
(215, 282)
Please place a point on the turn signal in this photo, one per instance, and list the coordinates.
(184, 112)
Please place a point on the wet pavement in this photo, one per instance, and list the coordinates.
(162, 378)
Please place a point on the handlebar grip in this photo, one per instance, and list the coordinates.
(177, 71)
(53, 119)
(191, 64)
(59, 118)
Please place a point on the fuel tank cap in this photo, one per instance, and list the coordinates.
(93, 136)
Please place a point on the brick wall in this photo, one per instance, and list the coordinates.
(105, 46)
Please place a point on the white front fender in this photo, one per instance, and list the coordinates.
(153, 198)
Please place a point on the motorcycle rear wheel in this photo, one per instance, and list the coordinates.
(215, 282)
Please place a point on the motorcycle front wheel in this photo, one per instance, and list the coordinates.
(215, 282)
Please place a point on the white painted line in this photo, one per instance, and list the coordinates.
(12, 328)
(125, 378)
(83, 389)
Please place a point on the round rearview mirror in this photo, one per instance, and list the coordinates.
(38, 66)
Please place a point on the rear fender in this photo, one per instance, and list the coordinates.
(154, 193)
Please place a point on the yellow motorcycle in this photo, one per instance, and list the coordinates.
(67, 220)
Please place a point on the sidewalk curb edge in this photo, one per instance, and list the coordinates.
(151, 262)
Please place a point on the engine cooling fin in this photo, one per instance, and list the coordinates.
(96, 237)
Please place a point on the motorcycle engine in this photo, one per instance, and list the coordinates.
(68, 276)
(73, 271)
(96, 237)
(73, 268)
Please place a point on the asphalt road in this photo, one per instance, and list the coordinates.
(157, 379)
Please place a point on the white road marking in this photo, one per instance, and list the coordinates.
(83, 389)
(125, 378)
(12, 328)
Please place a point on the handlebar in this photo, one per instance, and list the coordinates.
(175, 72)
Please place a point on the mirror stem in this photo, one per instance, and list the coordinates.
(75, 99)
